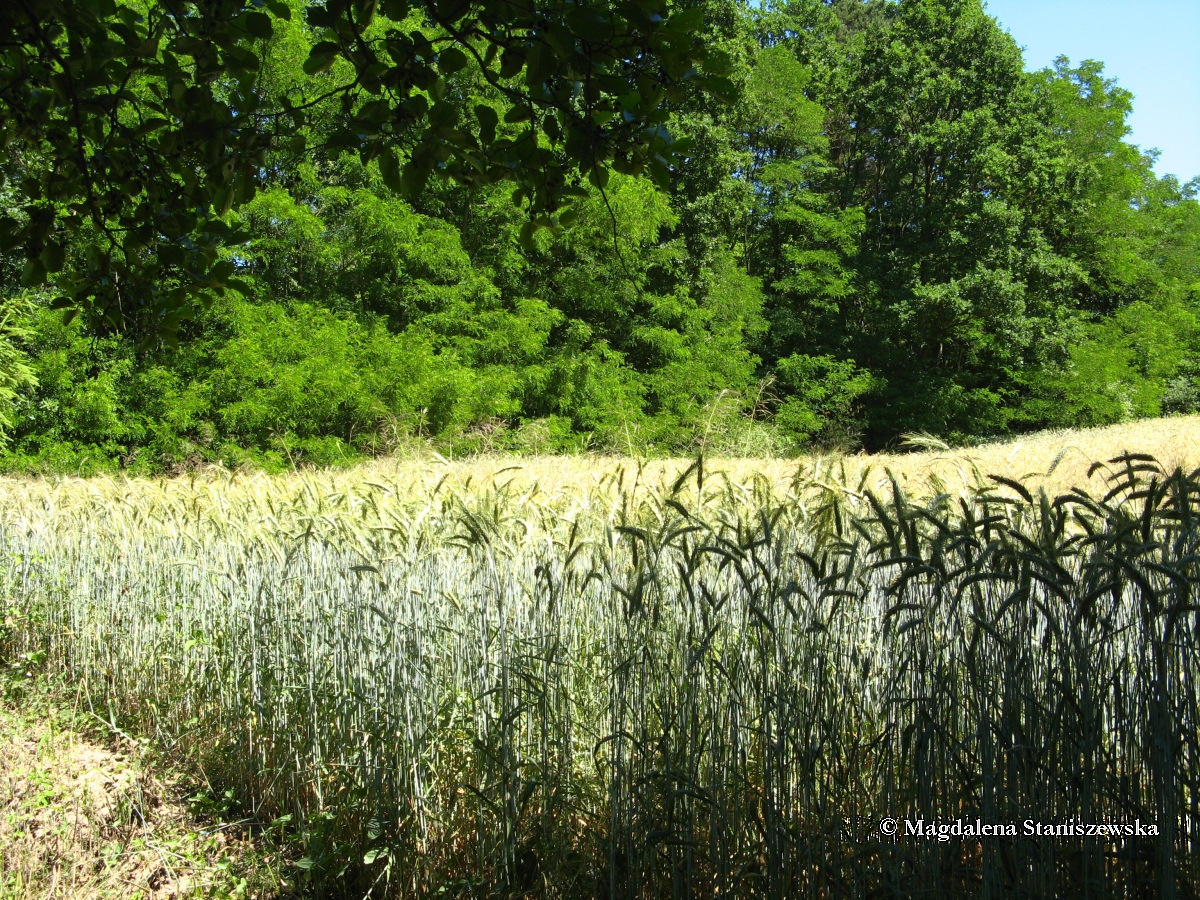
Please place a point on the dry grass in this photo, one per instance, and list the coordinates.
(81, 817)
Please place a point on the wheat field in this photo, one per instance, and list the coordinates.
(1055, 460)
(602, 678)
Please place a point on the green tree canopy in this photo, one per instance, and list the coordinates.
(875, 222)
(139, 124)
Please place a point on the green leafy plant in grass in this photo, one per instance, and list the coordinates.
(1182, 393)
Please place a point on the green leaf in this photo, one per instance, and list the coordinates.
(364, 12)
(487, 123)
(413, 180)
(239, 285)
(223, 201)
(416, 105)
(53, 256)
(443, 115)
(660, 174)
(451, 10)
(389, 168)
(518, 114)
(722, 89)
(258, 25)
(541, 64)
(150, 125)
(686, 19)
(718, 62)
(321, 57)
(33, 274)
(511, 62)
(451, 60)
(587, 22)
(396, 10)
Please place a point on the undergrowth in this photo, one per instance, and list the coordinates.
(87, 811)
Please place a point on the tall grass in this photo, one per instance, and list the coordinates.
(716, 689)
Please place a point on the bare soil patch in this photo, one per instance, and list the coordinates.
(82, 816)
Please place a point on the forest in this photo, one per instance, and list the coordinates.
(886, 227)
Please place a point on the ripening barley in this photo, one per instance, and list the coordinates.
(647, 687)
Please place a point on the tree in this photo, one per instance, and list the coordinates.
(137, 125)
(1110, 232)
(800, 241)
(965, 189)
(1136, 240)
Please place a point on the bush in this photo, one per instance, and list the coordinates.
(823, 394)
(1182, 393)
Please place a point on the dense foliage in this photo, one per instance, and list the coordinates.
(893, 227)
(147, 122)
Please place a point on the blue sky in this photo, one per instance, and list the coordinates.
(1152, 48)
